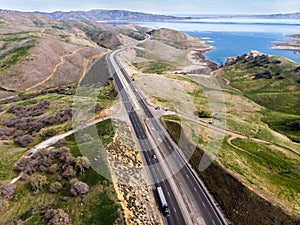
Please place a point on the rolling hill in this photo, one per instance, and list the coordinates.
(272, 82)
(103, 15)
(37, 53)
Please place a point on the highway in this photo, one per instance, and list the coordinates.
(155, 170)
(146, 128)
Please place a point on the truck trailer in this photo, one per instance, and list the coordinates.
(163, 202)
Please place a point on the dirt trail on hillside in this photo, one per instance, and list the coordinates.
(229, 141)
(62, 61)
(86, 64)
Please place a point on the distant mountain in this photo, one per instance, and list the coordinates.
(282, 16)
(110, 15)
(104, 15)
(262, 16)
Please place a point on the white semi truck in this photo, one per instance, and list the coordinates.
(163, 202)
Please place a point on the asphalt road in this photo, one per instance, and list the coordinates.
(185, 177)
(154, 167)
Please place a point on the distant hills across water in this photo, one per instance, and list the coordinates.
(109, 15)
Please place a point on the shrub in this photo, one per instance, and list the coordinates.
(25, 165)
(55, 187)
(53, 169)
(57, 217)
(38, 182)
(25, 140)
(203, 114)
(79, 188)
(7, 189)
(82, 163)
(69, 172)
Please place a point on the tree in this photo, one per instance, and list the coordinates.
(82, 163)
(37, 182)
(55, 187)
(7, 189)
(57, 217)
(79, 188)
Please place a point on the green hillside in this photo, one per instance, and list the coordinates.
(272, 82)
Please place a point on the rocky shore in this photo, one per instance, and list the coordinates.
(212, 65)
(292, 44)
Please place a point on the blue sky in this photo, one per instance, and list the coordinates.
(160, 6)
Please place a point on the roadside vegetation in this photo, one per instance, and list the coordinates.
(60, 178)
(269, 171)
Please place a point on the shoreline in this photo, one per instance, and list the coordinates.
(292, 45)
(211, 64)
(286, 46)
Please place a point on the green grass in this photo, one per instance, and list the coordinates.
(62, 36)
(16, 33)
(105, 133)
(241, 77)
(14, 39)
(280, 97)
(267, 168)
(65, 24)
(27, 102)
(278, 122)
(103, 211)
(38, 22)
(158, 67)
(286, 102)
(107, 92)
(57, 27)
(94, 149)
(145, 54)
(12, 57)
(98, 206)
(271, 165)
(10, 154)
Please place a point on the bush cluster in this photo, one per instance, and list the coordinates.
(57, 217)
(28, 120)
(53, 161)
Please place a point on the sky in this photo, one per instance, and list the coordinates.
(174, 7)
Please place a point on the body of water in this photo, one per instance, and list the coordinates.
(228, 44)
(237, 37)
